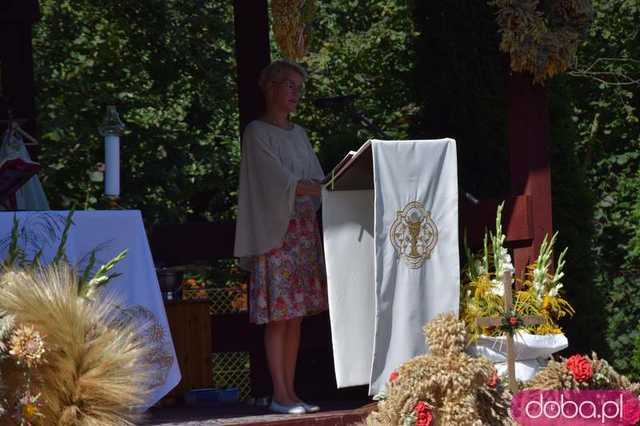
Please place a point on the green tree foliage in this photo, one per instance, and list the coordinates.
(362, 49)
(604, 96)
(169, 67)
(573, 216)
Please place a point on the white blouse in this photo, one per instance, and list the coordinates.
(273, 161)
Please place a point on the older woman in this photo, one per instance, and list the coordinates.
(277, 235)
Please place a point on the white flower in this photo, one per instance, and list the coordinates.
(555, 290)
(497, 287)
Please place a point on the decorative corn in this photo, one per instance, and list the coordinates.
(291, 21)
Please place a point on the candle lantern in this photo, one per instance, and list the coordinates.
(111, 129)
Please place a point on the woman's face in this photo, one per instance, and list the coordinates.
(285, 91)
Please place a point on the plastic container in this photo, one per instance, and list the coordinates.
(211, 396)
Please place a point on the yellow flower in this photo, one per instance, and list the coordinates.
(29, 411)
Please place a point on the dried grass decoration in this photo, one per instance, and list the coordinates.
(542, 40)
(74, 361)
(446, 387)
(291, 23)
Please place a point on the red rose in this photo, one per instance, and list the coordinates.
(513, 321)
(492, 381)
(580, 368)
(424, 417)
(393, 376)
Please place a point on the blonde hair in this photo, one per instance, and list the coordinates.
(275, 68)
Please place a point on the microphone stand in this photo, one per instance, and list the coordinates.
(360, 118)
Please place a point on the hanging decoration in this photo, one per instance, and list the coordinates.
(291, 23)
(542, 40)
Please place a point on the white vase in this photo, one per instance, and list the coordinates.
(532, 351)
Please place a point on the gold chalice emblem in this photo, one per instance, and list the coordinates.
(414, 234)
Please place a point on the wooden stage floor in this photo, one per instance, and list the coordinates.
(333, 413)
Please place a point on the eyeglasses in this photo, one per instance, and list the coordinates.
(291, 86)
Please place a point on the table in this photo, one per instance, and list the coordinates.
(110, 232)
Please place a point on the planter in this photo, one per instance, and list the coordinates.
(169, 281)
(532, 352)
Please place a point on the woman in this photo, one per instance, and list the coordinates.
(277, 235)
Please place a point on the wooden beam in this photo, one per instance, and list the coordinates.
(252, 55)
(251, 19)
(529, 141)
(20, 11)
(192, 242)
(517, 223)
(16, 62)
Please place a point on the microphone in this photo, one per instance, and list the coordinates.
(335, 102)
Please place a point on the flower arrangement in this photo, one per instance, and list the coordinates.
(537, 293)
(194, 288)
(224, 285)
(542, 42)
(446, 387)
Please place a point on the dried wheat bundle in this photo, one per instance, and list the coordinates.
(84, 366)
(446, 387)
(543, 43)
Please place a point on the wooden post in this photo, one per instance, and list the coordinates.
(16, 63)
(252, 55)
(529, 140)
(496, 322)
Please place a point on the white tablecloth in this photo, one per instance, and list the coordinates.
(110, 232)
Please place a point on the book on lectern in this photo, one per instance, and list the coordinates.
(354, 171)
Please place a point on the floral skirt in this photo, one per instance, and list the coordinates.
(290, 281)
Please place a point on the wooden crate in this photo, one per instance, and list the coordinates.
(190, 325)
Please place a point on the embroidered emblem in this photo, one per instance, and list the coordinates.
(413, 234)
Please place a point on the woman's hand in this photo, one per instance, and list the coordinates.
(308, 188)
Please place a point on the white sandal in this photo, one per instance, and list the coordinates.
(287, 409)
(310, 408)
